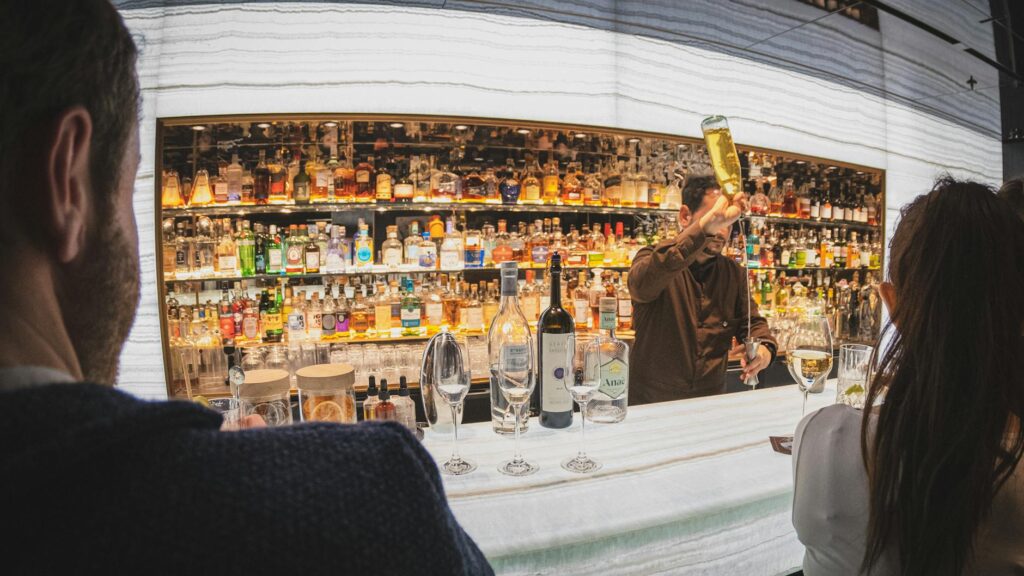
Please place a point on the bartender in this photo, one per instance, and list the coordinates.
(689, 302)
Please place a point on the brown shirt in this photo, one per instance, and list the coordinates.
(685, 316)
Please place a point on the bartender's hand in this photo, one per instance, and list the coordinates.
(723, 214)
(759, 363)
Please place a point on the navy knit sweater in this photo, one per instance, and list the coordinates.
(93, 480)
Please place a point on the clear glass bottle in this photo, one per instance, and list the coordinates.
(294, 251)
(170, 194)
(411, 245)
(592, 190)
(382, 312)
(391, 249)
(314, 318)
(613, 184)
(335, 261)
(363, 248)
(427, 253)
(606, 359)
(412, 311)
(452, 253)
(220, 186)
(492, 192)
(473, 249)
(227, 251)
(321, 179)
(510, 352)
(201, 193)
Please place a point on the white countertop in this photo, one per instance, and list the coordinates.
(691, 486)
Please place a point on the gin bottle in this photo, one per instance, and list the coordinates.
(510, 351)
(606, 359)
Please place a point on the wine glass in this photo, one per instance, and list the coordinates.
(582, 390)
(516, 381)
(452, 379)
(809, 354)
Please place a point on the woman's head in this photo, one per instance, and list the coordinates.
(948, 377)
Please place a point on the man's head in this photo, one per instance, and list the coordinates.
(69, 149)
(1013, 192)
(699, 197)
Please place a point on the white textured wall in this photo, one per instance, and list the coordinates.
(268, 57)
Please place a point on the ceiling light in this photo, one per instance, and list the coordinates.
(397, 125)
(523, 130)
(263, 125)
(633, 140)
(461, 127)
(199, 128)
(581, 135)
(330, 124)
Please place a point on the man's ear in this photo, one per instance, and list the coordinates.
(684, 216)
(67, 182)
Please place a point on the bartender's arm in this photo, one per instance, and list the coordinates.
(654, 267)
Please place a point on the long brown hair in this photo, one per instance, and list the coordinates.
(947, 379)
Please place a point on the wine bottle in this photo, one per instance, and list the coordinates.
(556, 334)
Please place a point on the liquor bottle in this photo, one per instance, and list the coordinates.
(551, 183)
(405, 408)
(839, 251)
(490, 303)
(372, 394)
(537, 246)
(629, 184)
(451, 254)
(411, 245)
(260, 251)
(344, 181)
(852, 254)
(492, 191)
(452, 301)
(610, 366)
(474, 189)
(363, 249)
(342, 315)
(263, 307)
(274, 253)
(433, 309)
(321, 179)
(556, 335)
(592, 187)
(329, 316)
(509, 185)
(510, 352)
(334, 263)
(531, 184)
(724, 159)
(170, 193)
(311, 252)
(613, 184)
(294, 262)
(248, 188)
(300, 185)
(447, 186)
(220, 186)
(274, 328)
(261, 180)
(412, 311)
(624, 304)
(581, 302)
(382, 312)
(643, 184)
(404, 189)
(359, 315)
(391, 249)
(246, 249)
(502, 250)
(384, 409)
(474, 249)
(804, 200)
(227, 251)
(295, 317)
(365, 189)
(382, 183)
(278, 178)
(201, 193)
(530, 298)
(471, 315)
(790, 204)
(427, 253)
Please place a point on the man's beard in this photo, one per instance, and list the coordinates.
(99, 294)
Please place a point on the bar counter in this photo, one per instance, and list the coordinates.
(691, 486)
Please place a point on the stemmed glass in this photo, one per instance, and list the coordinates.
(809, 354)
(452, 379)
(516, 381)
(584, 386)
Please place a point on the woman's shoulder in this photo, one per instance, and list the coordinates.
(837, 418)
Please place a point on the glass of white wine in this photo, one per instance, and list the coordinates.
(809, 354)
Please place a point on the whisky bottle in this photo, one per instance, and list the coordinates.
(321, 178)
(382, 183)
(364, 190)
(201, 193)
(170, 194)
(404, 189)
(572, 186)
(531, 184)
(551, 182)
(278, 178)
(344, 181)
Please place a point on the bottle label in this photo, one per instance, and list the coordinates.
(334, 262)
(363, 177)
(322, 178)
(383, 187)
(435, 313)
(410, 317)
(515, 357)
(625, 308)
(275, 261)
(312, 260)
(608, 320)
(403, 191)
(614, 379)
(472, 317)
(450, 260)
(316, 321)
(427, 259)
(227, 326)
(581, 309)
(364, 254)
(295, 255)
(540, 254)
(531, 308)
(329, 323)
(296, 322)
(393, 257)
(250, 326)
(227, 263)
(532, 192)
(557, 371)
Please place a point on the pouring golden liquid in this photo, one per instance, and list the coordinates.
(724, 159)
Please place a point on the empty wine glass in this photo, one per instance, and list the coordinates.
(809, 354)
(582, 390)
(516, 380)
(452, 377)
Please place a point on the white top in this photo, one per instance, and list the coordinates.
(687, 487)
(830, 504)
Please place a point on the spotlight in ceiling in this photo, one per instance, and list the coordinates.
(263, 125)
(461, 127)
(523, 130)
(199, 127)
(396, 125)
(580, 135)
(330, 124)
(633, 140)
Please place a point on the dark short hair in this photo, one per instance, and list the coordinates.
(695, 189)
(1013, 192)
(55, 54)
